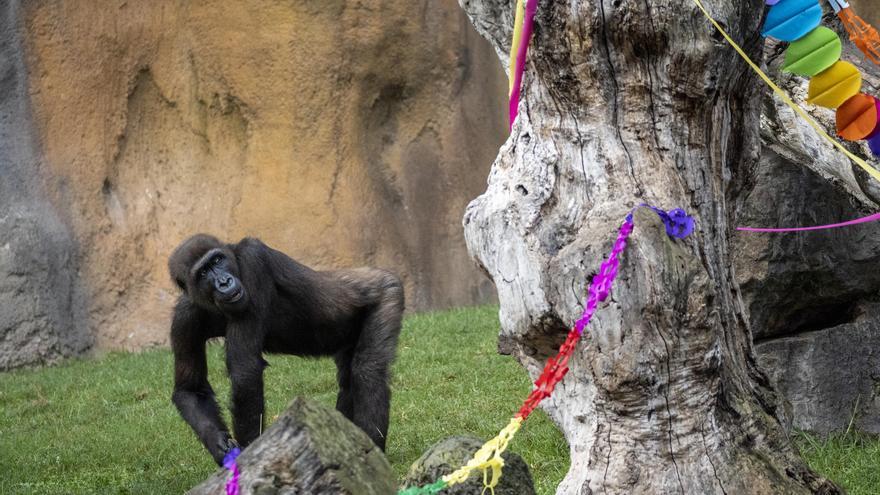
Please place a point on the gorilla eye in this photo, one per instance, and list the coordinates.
(216, 261)
(202, 273)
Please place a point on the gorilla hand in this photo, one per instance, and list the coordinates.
(222, 445)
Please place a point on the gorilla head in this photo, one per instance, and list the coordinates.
(208, 272)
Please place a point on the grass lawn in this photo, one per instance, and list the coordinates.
(107, 425)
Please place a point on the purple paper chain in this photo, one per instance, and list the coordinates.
(678, 225)
(229, 463)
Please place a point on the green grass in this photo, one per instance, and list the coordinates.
(107, 425)
(852, 460)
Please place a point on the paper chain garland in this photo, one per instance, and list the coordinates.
(488, 458)
(229, 463)
(815, 52)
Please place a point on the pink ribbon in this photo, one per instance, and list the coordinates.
(869, 218)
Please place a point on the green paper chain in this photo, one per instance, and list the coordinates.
(431, 489)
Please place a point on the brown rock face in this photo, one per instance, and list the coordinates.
(341, 132)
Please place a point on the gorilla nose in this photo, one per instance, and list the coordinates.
(226, 284)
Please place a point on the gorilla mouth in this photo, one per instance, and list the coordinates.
(235, 297)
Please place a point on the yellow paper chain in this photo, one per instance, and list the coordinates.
(785, 98)
(514, 44)
(488, 457)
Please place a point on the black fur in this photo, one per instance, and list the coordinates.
(261, 300)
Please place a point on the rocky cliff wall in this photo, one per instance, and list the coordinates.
(342, 132)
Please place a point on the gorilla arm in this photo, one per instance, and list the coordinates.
(245, 364)
(193, 394)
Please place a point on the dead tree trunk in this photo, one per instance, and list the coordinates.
(626, 102)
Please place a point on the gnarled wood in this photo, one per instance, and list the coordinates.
(627, 102)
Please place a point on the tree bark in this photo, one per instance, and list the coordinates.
(310, 448)
(627, 102)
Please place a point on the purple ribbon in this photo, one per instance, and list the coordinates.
(229, 463)
(678, 225)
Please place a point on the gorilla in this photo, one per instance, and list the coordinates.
(261, 300)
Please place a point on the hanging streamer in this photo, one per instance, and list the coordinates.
(523, 48)
(869, 218)
(229, 463)
(488, 458)
(514, 45)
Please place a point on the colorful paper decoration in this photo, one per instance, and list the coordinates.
(229, 463)
(488, 458)
(514, 44)
(862, 34)
(813, 53)
(835, 85)
(790, 20)
(857, 117)
(874, 143)
(782, 95)
(528, 19)
(876, 127)
(873, 140)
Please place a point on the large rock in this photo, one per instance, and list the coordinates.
(451, 453)
(830, 376)
(41, 303)
(804, 291)
(309, 449)
(341, 132)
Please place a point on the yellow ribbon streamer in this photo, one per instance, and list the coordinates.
(488, 457)
(514, 44)
(785, 98)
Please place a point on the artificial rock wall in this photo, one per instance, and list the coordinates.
(342, 132)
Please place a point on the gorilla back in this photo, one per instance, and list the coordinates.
(261, 300)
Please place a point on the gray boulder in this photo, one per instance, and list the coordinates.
(453, 452)
(310, 448)
(830, 376)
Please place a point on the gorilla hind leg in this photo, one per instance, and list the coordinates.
(372, 359)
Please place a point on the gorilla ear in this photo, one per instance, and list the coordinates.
(180, 284)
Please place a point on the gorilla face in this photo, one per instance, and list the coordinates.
(207, 271)
(215, 278)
